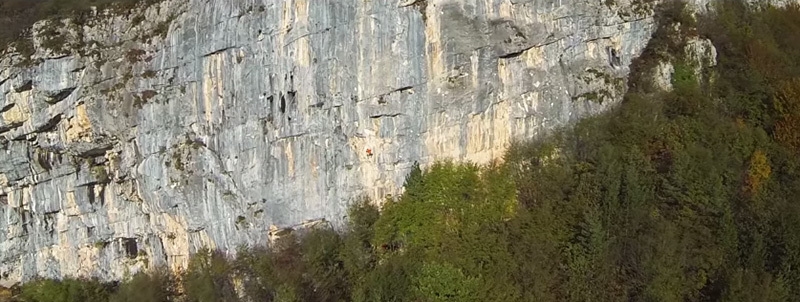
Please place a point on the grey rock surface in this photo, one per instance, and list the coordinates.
(203, 123)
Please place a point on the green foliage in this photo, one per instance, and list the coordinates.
(255, 268)
(67, 290)
(357, 252)
(99, 173)
(447, 200)
(157, 286)
(391, 280)
(325, 273)
(208, 277)
(18, 16)
(442, 282)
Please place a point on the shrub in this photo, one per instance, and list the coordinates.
(158, 285)
(17, 16)
(208, 277)
(67, 290)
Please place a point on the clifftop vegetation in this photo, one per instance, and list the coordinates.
(17, 16)
(687, 195)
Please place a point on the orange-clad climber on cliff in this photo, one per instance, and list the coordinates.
(369, 152)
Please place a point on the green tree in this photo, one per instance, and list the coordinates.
(443, 282)
(158, 285)
(208, 277)
(67, 290)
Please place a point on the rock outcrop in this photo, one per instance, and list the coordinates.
(132, 141)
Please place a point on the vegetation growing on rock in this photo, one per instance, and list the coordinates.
(18, 16)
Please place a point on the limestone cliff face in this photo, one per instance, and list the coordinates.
(132, 141)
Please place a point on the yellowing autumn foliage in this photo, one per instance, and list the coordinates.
(787, 105)
(758, 172)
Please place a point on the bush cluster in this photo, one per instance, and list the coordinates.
(17, 16)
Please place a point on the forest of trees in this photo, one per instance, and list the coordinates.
(688, 195)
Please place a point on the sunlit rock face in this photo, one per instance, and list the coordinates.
(133, 141)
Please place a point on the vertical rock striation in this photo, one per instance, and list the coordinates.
(132, 141)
